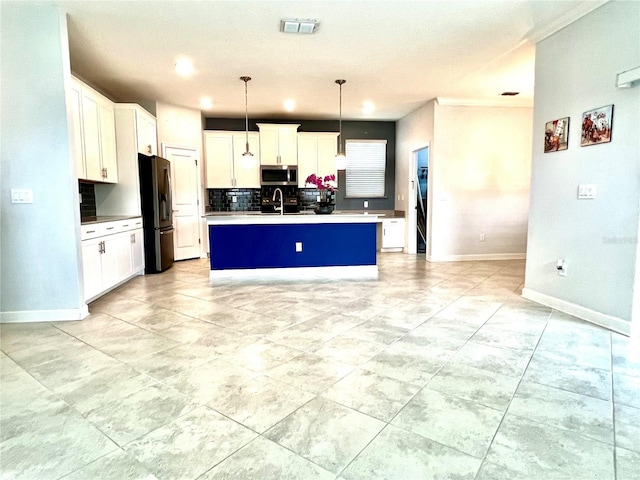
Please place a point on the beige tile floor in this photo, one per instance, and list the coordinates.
(432, 371)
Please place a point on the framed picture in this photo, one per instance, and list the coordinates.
(556, 135)
(596, 126)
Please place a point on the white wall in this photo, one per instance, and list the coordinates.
(184, 127)
(479, 167)
(575, 72)
(41, 268)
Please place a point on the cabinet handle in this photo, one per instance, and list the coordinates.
(133, 238)
(110, 228)
(125, 225)
(91, 231)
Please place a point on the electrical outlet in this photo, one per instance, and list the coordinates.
(234, 199)
(298, 246)
(482, 237)
(318, 198)
(80, 197)
(366, 204)
(561, 267)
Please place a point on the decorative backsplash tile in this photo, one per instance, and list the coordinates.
(222, 199)
(88, 202)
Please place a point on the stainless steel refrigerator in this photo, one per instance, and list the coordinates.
(157, 212)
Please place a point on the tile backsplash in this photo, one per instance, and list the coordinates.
(222, 199)
(88, 202)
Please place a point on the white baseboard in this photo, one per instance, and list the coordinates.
(30, 316)
(612, 323)
(477, 257)
(302, 273)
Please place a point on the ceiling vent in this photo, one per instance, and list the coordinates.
(299, 26)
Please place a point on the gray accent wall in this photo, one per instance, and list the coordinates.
(40, 248)
(598, 239)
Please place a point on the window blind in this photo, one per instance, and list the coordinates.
(366, 162)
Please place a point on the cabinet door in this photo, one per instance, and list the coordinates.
(147, 134)
(307, 158)
(219, 158)
(91, 130)
(109, 261)
(76, 129)
(137, 251)
(109, 160)
(393, 233)
(288, 145)
(269, 146)
(124, 261)
(92, 267)
(327, 149)
(246, 170)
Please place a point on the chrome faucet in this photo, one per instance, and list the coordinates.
(275, 194)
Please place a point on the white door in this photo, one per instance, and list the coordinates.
(184, 186)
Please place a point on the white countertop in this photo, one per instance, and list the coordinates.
(257, 218)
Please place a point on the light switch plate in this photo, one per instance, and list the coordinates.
(21, 195)
(298, 246)
(587, 192)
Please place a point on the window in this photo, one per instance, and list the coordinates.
(366, 162)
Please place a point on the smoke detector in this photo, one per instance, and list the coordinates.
(299, 26)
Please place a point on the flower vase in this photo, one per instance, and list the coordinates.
(325, 205)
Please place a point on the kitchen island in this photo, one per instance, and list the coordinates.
(271, 245)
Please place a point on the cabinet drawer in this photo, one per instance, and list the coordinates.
(89, 231)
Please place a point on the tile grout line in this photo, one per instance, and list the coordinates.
(493, 438)
(613, 409)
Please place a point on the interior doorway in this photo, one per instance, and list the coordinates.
(422, 174)
(185, 193)
(418, 235)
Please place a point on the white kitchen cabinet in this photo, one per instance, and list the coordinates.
(112, 253)
(278, 144)
(392, 234)
(316, 154)
(134, 132)
(146, 132)
(76, 127)
(225, 165)
(93, 132)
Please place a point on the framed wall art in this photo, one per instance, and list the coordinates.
(556, 135)
(596, 126)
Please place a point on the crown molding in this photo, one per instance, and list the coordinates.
(538, 34)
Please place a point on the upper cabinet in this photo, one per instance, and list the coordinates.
(146, 133)
(93, 133)
(278, 144)
(225, 165)
(316, 154)
(135, 131)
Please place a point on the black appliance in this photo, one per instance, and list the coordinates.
(279, 175)
(157, 212)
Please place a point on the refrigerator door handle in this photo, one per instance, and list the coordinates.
(165, 232)
(168, 173)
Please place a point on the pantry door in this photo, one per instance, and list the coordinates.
(184, 186)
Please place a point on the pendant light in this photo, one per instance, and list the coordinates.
(341, 159)
(247, 154)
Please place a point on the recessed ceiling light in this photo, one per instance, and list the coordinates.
(184, 67)
(289, 105)
(368, 107)
(206, 103)
(509, 94)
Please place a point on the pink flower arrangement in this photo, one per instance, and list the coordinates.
(322, 183)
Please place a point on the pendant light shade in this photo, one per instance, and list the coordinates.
(247, 153)
(341, 159)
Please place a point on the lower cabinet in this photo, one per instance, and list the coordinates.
(112, 252)
(392, 234)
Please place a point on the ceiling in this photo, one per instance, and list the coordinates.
(396, 54)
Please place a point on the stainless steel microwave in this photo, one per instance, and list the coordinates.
(279, 175)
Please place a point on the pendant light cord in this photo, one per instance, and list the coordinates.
(246, 115)
(340, 149)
